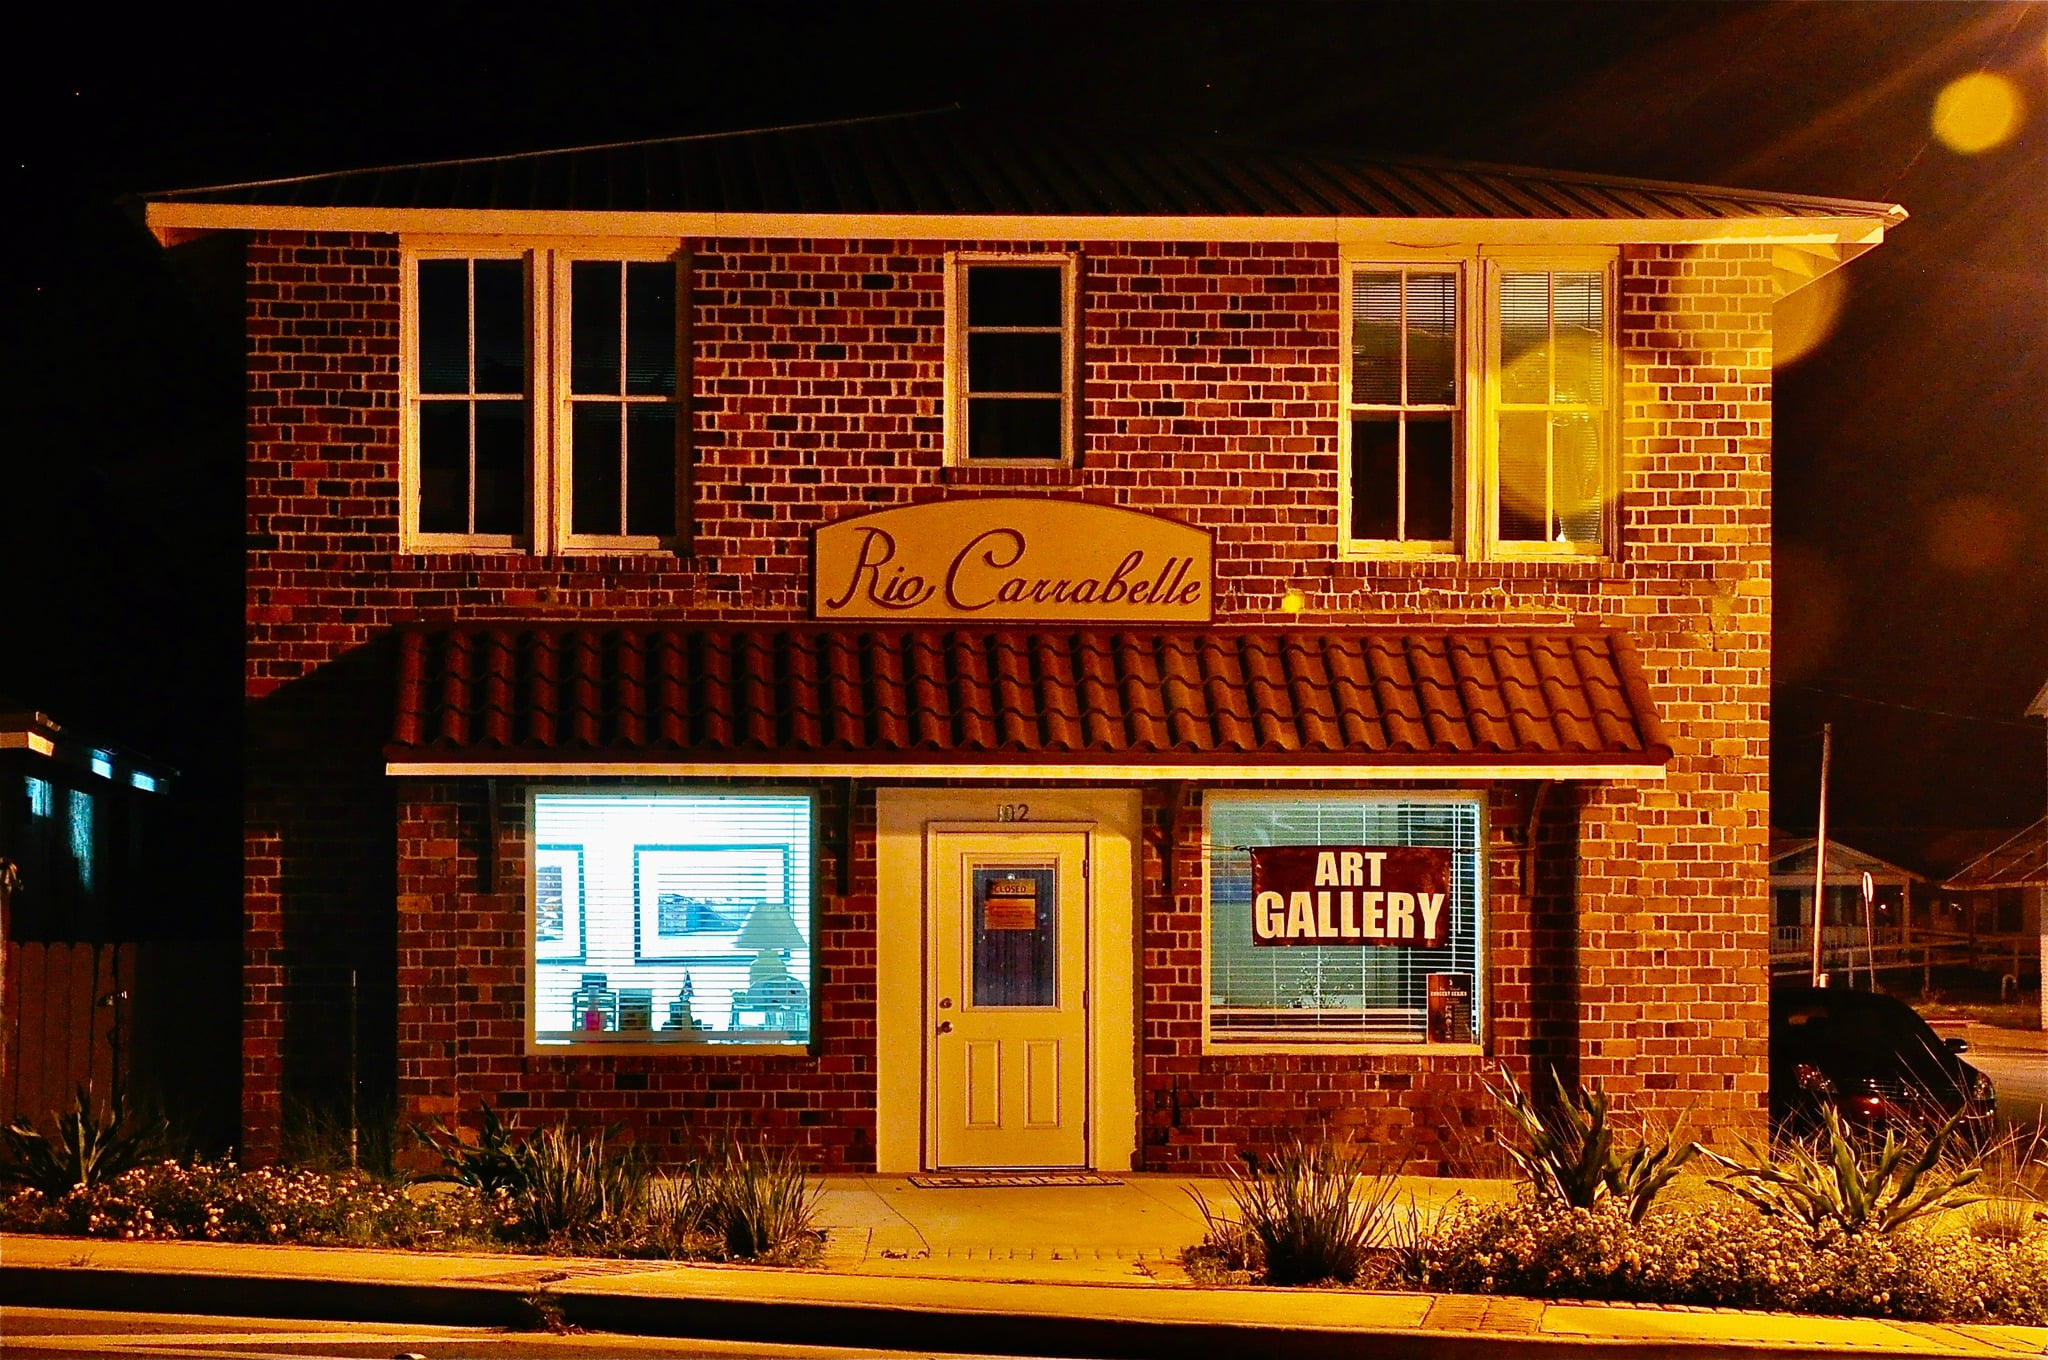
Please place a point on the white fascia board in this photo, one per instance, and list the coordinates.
(428, 769)
(173, 221)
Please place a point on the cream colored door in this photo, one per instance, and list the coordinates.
(1007, 1038)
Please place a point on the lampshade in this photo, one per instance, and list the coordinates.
(769, 926)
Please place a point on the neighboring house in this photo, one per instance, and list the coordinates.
(932, 644)
(103, 982)
(1848, 936)
(2006, 888)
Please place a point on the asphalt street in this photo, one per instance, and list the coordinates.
(2021, 1075)
(40, 1332)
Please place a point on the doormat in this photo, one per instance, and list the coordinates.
(1003, 1180)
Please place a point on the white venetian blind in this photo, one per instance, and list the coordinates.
(1333, 992)
(671, 917)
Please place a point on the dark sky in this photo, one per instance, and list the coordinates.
(1912, 445)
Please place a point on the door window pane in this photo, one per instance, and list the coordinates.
(1016, 937)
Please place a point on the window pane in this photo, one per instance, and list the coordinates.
(1013, 363)
(1575, 459)
(1016, 943)
(1013, 427)
(594, 490)
(501, 442)
(594, 327)
(1013, 295)
(1338, 991)
(444, 325)
(1376, 340)
(1524, 489)
(672, 918)
(444, 467)
(500, 326)
(651, 469)
(1581, 339)
(1525, 337)
(1375, 478)
(1432, 339)
(1429, 477)
(651, 329)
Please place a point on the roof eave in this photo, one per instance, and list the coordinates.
(174, 221)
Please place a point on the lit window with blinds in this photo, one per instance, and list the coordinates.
(1551, 434)
(1403, 482)
(663, 917)
(1386, 989)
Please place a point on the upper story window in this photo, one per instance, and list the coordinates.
(542, 400)
(1012, 360)
(1499, 444)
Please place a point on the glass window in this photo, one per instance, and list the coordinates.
(671, 918)
(622, 389)
(1405, 410)
(1399, 876)
(474, 413)
(1552, 416)
(1015, 362)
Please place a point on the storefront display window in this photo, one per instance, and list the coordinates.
(1344, 918)
(671, 918)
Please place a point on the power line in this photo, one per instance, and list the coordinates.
(1910, 708)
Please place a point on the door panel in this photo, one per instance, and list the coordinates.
(1008, 1038)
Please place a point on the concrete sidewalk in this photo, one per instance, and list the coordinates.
(1068, 1271)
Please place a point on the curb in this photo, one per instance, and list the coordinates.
(796, 1322)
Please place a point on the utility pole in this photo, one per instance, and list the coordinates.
(1820, 850)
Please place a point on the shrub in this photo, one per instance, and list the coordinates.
(1835, 1186)
(1572, 1159)
(756, 1206)
(575, 1185)
(1726, 1255)
(86, 1149)
(1301, 1216)
(487, 1165)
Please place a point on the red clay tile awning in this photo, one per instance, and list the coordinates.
(811, 700)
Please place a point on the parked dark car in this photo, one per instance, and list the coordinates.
(1873, 1059)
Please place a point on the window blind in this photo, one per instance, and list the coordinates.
(1335, 992)
(660, 917)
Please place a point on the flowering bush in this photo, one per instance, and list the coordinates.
(221, 1202)
(1728, 1255)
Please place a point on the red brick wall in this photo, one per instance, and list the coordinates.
(1210, 384)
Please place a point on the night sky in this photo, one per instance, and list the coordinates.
(1912, 443)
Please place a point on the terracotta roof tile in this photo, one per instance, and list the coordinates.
(777, 693)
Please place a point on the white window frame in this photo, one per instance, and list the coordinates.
(812, 913)
(1482, 986)
(1606, 265)
(956, 394)
(1463, 452)
(1476, 442)
(547, 263)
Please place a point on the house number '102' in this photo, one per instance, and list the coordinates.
(1013, 812)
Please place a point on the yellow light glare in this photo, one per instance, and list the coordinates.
(1974, 532)
(1802, 322)
(1977, 112)
(1293, 602)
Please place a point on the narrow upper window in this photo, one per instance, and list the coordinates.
(1551, 434)
(474, 412)
(1404, 480)
(621, 400)
(1013, 361)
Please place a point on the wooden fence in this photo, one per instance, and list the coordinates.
(158, 1016)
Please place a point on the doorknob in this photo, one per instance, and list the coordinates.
(945, 1027)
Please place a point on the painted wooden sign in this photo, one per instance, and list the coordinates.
(1351, 894)
(1007, 558)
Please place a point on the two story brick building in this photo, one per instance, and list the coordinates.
(936, 644)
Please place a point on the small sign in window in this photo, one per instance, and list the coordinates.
(1450, 1008)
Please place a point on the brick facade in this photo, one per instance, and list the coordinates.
(1210, 386)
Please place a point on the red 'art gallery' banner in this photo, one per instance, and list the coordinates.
(1351, 894)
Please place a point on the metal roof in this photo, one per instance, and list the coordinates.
(949, 162)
